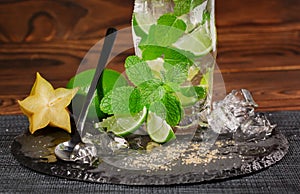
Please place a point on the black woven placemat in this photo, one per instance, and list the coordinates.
(283, 177)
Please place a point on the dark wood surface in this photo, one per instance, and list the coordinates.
(258, 45)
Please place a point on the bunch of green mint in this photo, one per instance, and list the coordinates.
(159, 95)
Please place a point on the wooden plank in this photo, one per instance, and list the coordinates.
(258, 35)
(258, 45)
(34, 21)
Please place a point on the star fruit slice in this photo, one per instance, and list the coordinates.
(47, 106)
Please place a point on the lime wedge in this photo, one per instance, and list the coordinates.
(198, 42)
(158, 129)
(123, 125)
(143, 21)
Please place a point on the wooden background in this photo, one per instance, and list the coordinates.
(258, 45)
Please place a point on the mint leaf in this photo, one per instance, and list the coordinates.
(172, 21)
(170, 55)
(168, 108)
(105, 104)
(185, 6)
(173, 108)
(135, 103)
(168, 30)
(121, 100)
(137, 70)
(151, 91)
(176, 73)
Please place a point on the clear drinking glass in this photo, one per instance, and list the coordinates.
(179, 36)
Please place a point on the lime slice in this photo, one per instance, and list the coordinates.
(142, 21)
(158, 129)
(198, 42)
(124, 125)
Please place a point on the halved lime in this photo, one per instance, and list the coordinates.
(123, 125)
(197, 42)
(109, 80)
(158, 129)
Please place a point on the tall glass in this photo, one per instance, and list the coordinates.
(179, 36)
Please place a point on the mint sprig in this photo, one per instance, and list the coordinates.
(147, 91)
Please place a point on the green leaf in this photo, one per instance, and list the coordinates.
(173, 108)
(105, 104)
(170, 55)
(121, 100)
(168, 108)
(167, 31)
(137, 70)
(135, 104)
(185, 6)
(172, 21)
(176, 73)
(151, 91)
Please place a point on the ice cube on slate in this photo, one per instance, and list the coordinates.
(235, 114)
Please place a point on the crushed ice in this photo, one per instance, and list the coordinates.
(235, 115)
